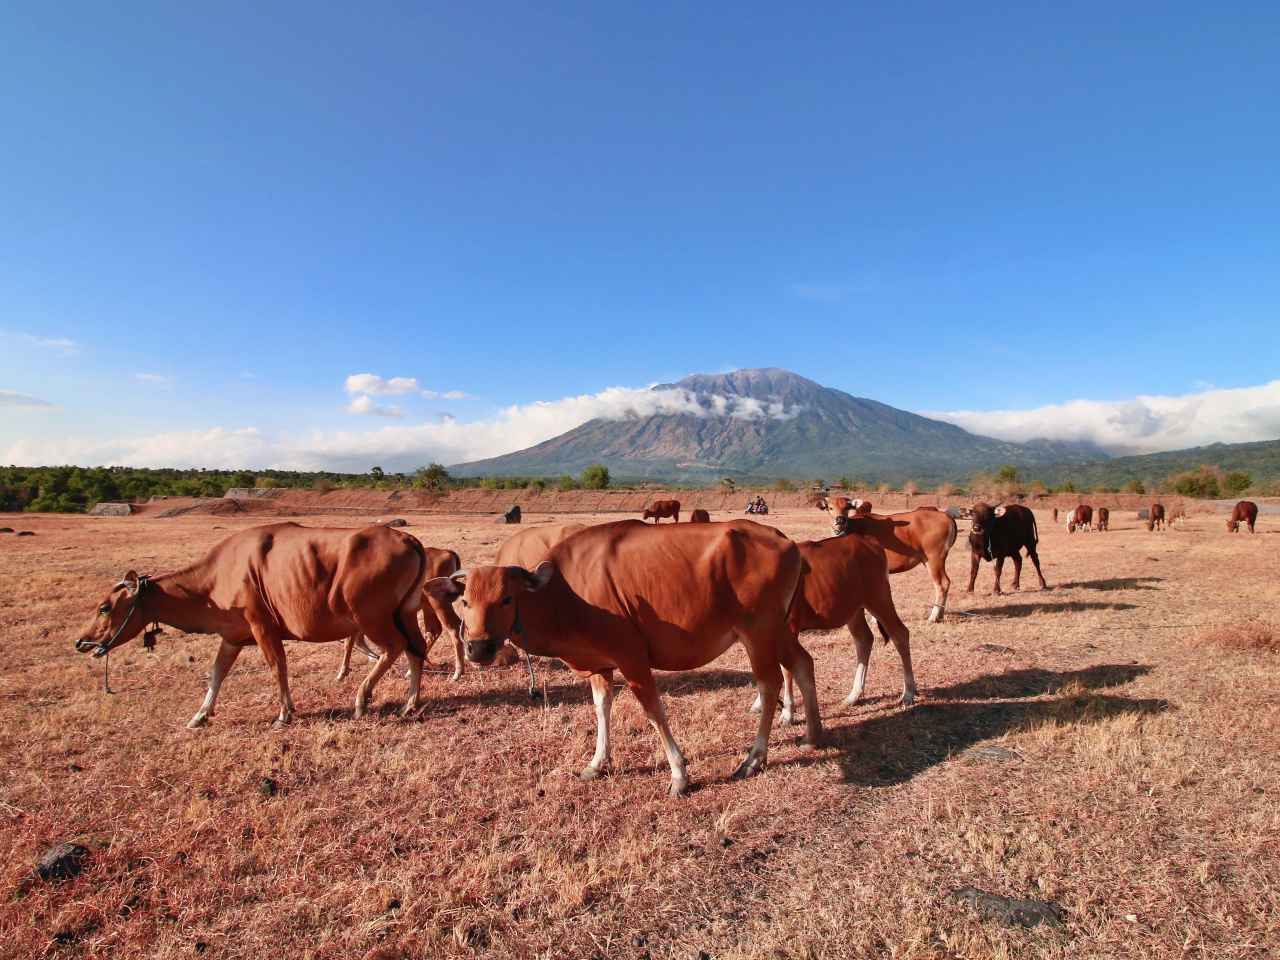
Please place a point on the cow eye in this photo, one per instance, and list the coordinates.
(105, 608)
(465, 604)
(505, 601)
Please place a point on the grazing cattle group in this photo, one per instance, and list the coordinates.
(623, 597)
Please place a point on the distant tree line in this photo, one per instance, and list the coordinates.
(77, 489)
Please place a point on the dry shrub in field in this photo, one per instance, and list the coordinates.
(1249, 635)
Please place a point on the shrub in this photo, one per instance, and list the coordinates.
(595, 477)
(1135, 486)
(784, 485)
(567, 483)
(431, 477)
(729, 484)
(1204, 483)
(1007, 473)
(1236, 483)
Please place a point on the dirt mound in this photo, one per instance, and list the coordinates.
(213, 508)
(111, 509)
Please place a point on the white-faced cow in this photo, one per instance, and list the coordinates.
(628, 597)
(1081, 518)
(280, 582)
(1000, 532)
(1155, 517)
(1246, 512)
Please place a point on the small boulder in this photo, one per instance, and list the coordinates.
(6, 529)
(396, 522)
(26, 533)
(61, 861)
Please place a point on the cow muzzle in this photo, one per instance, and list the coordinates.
(84, 645)
(482, 651)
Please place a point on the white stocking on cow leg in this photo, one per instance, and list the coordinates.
(222, 663)
(602, 694)
(862, 642)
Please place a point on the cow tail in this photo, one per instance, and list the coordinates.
(413, 637)
(1035, 529)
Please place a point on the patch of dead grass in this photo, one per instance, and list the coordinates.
(1246, 635)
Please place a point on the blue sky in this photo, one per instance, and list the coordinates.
(209, 220)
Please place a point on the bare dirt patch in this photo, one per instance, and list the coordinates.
(1134, 788)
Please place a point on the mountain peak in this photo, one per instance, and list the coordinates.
(760, 383)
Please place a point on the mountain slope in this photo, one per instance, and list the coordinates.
(1260, 459)
(772, 423)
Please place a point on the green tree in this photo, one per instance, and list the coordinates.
(595, 477)
(1135, 486)
(1007, 473)
(1236, 482)
(729, 484)
(567, 483)
(431, 477)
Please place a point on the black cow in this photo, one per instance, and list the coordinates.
(511, 516)
(1000, 532)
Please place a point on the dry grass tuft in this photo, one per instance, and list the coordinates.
(1248, 635)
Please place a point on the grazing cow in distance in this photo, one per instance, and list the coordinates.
(663, 508)
(1246, 512)
(1081, 518)
(276, 583)
(437, 617)
(1177, 514)
(1104, 518)
(699, 516)
(1055, 514)
(624, 596)
(1155, 517)
(1000, 532)
(924, 535)
(511, 516)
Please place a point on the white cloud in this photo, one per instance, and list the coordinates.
(156, 378)
(21, 401)
(447, 395)
(365, 406)
(371, 383)
(395, 446)
(1145, 424)
(61, 344)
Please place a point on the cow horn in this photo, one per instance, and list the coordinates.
(459, 574)
(541, 575)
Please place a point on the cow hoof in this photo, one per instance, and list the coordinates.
(788, 718)
(851, 700)
(755, 705)
(812, 739)
(198, 721)
(455, 676)
(357, 714)
(678, 788)
(342, 675)
(590, 773)
(748, 768)
(907, 698)
(281, 723)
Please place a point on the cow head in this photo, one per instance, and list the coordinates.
(118, 617)
(1233, 526)
(490, 604)
(984, 518)
(861, 508)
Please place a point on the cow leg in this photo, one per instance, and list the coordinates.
(887, 616)
(640, 680)
(391, 652)
(1035, 559)
(800, 666)
(999, 571)
(974, 560)
(768, 675)
(1017, 571)
(941, 588)
(345, 667)
(602, 695)
(223, 661)
(437, 623)
(273, 652)
(862, 643)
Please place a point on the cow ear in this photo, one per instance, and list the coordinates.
(129, 581)
(541, 575)
(446, 588)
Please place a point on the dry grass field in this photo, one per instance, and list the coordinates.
(1137, 703)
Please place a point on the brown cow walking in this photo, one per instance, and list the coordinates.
(1104, 519)
(663, 508)
(282, 582)
(1155, 517)
(924, 535)
(437, 618)
(623, 596)
(1246, 512)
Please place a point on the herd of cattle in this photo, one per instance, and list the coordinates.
(626, 597)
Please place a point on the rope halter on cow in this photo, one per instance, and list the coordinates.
(103, 649)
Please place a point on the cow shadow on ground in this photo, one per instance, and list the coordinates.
(1115, 583)
(1010, 610)
(893, 748)
(1035, 682)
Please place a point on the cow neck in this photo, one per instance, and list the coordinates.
(537, 614)
(181, 600)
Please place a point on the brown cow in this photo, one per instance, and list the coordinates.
(699, 516)
(999, 532)
(1155, 517)
(924, 535)
(437, 617)
(663, 508)
(1104, 518)
(282, 582)
(845, 576)
(1246, 512)
(844, 506)
(1081, 518)
(1055, 514)
(528, 549)
(624, 596)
